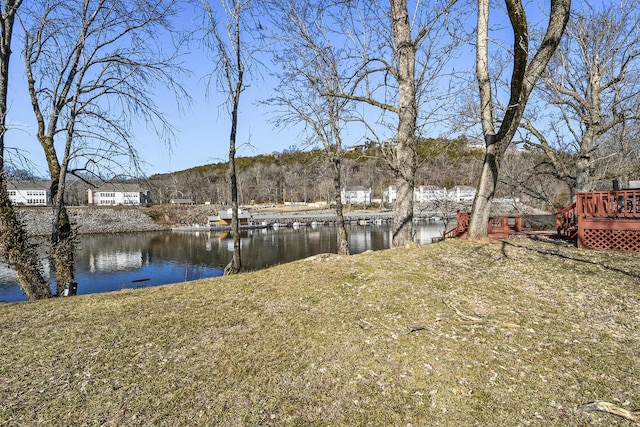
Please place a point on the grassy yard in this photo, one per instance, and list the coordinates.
(452, 334)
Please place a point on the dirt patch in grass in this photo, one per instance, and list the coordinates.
(455, 333)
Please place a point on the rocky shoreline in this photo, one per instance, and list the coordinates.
(120, 219)
(90, 220)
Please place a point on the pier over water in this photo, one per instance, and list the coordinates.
(309, 218)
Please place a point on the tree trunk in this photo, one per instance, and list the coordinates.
(402, 233)
(343, 236)
(62, 236)
(404, 164)
(523, 78)
(14, 245)
(583, 173)
(62, 246)
(481, 210)
(235, 265)
(584, 164)
(62, 254)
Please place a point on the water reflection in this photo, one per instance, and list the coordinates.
(112, 262)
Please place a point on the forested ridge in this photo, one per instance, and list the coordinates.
(296, 175)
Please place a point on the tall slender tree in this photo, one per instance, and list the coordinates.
(310, 72)
(91, 66)
(14, 243)
(498, 132)
(405, 161)
(227, 29)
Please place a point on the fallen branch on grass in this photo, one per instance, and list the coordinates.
(470, 318)
(462, 315)
(610, 408)
(365, 324)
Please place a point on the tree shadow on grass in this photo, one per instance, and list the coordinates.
(572, 257)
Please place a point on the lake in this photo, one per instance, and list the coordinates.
(112, 262)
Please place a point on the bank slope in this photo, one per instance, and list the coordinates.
(455, 333)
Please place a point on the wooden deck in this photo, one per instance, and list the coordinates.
(498, 228)
(607, 220)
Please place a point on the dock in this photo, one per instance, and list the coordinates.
(282, 220)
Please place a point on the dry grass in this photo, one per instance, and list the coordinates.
(455, 333)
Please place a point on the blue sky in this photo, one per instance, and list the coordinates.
(201, 129)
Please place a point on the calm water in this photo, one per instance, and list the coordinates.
(111, 262)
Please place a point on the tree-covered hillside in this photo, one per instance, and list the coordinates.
(306, 176)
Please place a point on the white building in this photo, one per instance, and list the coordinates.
(29, 193)
(390, 195)
(462, 194)
(355, 196)
(430, 193)
(113, 194)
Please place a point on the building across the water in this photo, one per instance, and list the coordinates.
(223, 218)
(431, 193)
(29, 192)
(356, 196)
(114, 194)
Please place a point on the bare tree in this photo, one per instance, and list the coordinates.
(389, 62)
(226, 34)
(14, 243)
(310, 72)
(592, 85)
(526, 70)
(405, 163)
(91, 66)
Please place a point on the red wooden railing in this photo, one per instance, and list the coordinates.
(609, 204)
(462, 225)
(607, 220)
(567, 222)
(498, 228)
(501, 226)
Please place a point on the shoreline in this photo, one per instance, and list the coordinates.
(127, 219)
(102, 220)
